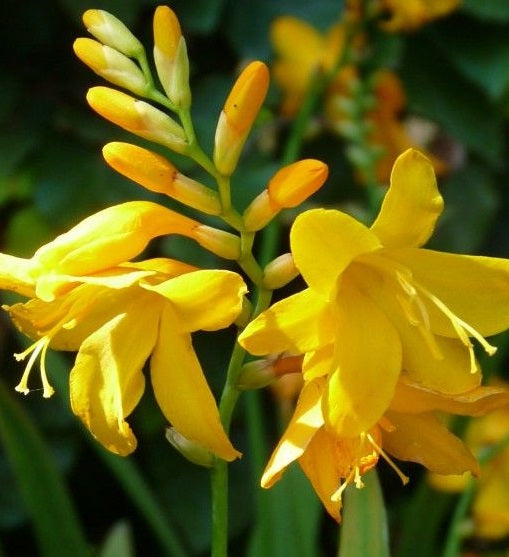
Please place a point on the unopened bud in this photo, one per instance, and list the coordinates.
(238, 115)
(280, 272)
(111, 65)
(195, 453)
(256, 375)
(112, 32)
(170, 56)
(221, 243)
(157, 174)
(289, 187)
(137, 117)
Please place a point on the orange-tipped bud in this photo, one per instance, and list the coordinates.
(170, 56)
(157, 174)
(112, 32)
(111, 65)
(279, 272)
(197, 454)
(224, 244)
(137, 117)
(289, 187)
(239, 113)
(294, 183)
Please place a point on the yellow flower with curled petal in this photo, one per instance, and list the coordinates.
(116, 330)
(377, 303)
(409, 430)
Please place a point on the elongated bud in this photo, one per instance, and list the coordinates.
(224, 244)
(189, 449)
(279, 272)
(137, 117)
(111, 65)
(260, 373)
(238, 115)
(289, 187)
(170, 57)
(157, 174)
(112, 32)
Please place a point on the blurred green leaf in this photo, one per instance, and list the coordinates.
(443, 95)
(119, 542)
(199, 16)
(364, 531)
(127, 10)
(58, 531)
(27, 230)
(471, 202)
(487, 9)
(480, 51)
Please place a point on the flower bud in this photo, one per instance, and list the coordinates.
(256, 375)
(112, 32)
(238, 115)
(111, 65)
(221, 243)
(137, 117)
(289, 187)
(157, 174)
(280, 272)
(189, 449)
(170, 56)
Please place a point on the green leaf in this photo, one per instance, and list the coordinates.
(487, 9)
(436, 90)
(364, 531)
(119, 542)
(57, 529)
(480, 51)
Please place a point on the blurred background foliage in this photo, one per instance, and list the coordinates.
(57, 487)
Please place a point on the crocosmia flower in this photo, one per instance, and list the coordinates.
(379, 305)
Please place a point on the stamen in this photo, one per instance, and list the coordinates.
(338, 494)
(404, 479)
(39, 347)
(463, 330)
(35, 349)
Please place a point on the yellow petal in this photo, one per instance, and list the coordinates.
(422, 438)
(475, 288)
(438, 363)
(325, 242)
(111, 236)
(15, 275)
(300, 323)
(368, 356)
(411, 398)
(205, 299)
(320, 464)
(305, 422)
(411, 205)
(182, 392)
(106, 381)
(318, 363)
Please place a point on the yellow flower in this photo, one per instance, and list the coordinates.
(90, 251)
(116, 330)
(377, 303)
(408, 15)
(302, 52)
(409, 430)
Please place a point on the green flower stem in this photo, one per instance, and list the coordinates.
(219, 473)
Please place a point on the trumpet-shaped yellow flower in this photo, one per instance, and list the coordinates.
(91, 250)
(377, 303)
(409, 430)
(116, 330)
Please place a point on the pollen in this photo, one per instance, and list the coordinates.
(37, 349)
